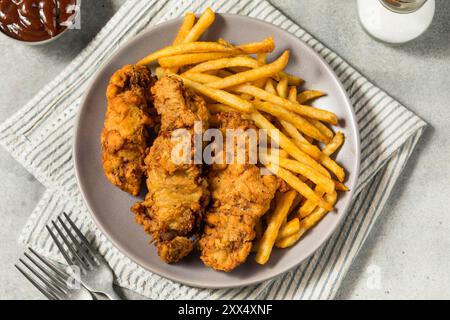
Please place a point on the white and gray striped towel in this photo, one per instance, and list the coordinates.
(39, 136)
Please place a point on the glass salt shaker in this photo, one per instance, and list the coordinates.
(396, 21)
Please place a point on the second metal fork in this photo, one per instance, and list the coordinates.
(96, 275)
(50, 278)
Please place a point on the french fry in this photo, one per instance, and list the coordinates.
(292, 80)
(224, 42)
(307, 223)
(191, 58)
(313, 151)
(216, 64)
(308, 206)
(246, 97)
(306, 111)
(308, 95)
(274, 223)
(297, 137)
(269, 87)
(325, 183)
(298, 185)
(265, 46)
(219, 107)
(186, 26)
(323, 128)
(262, 47)
(203, 23)
(279, 152)
(289, 241)
(331, 165)
(192, 47)
(220, 96)
(284, 142)
(290, 228)
(309, 130)
(286, 115)
(311, 220)
(292, 95)
(334, 144)
(282, 88)
(160, 72)
(300, 141)
(261, 58)
(200, 77)
(340, 186)
(254, 74)
(260, 83)
(292, 131)
(248, 62)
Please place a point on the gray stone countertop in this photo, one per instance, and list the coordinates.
(410, 243)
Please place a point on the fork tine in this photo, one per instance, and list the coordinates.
(66, 256)
(46, 272)
(70, 247)
(61, 275)
(43, 290)
(77, 244)
(80, 235)
(52, 287)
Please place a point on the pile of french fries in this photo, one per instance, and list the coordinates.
(238, 78)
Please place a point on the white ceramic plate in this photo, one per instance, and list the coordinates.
(110, 207)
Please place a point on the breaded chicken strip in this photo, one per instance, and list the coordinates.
(124, 137)
(173, 208)
(240, 195)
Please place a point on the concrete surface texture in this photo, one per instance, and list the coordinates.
(408, 252)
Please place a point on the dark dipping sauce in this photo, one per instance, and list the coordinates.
(35, 20)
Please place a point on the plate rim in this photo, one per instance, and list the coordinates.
(354, 128)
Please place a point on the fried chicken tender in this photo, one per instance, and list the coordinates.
(173, 208)
(240, 195)
(125, 137)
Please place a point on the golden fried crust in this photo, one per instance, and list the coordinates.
(179, 107)
(175, 249)
(173, 208)
(124, 138)
(239, 196)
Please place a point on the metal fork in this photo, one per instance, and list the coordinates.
(50, 279)
(96, 275)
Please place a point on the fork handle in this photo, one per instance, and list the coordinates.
(111, 294)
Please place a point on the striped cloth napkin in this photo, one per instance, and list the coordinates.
(39, 136)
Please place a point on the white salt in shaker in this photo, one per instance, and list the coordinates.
(396, 21)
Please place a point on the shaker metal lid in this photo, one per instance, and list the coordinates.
(403, 6)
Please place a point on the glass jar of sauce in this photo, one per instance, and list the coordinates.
(36, 20)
